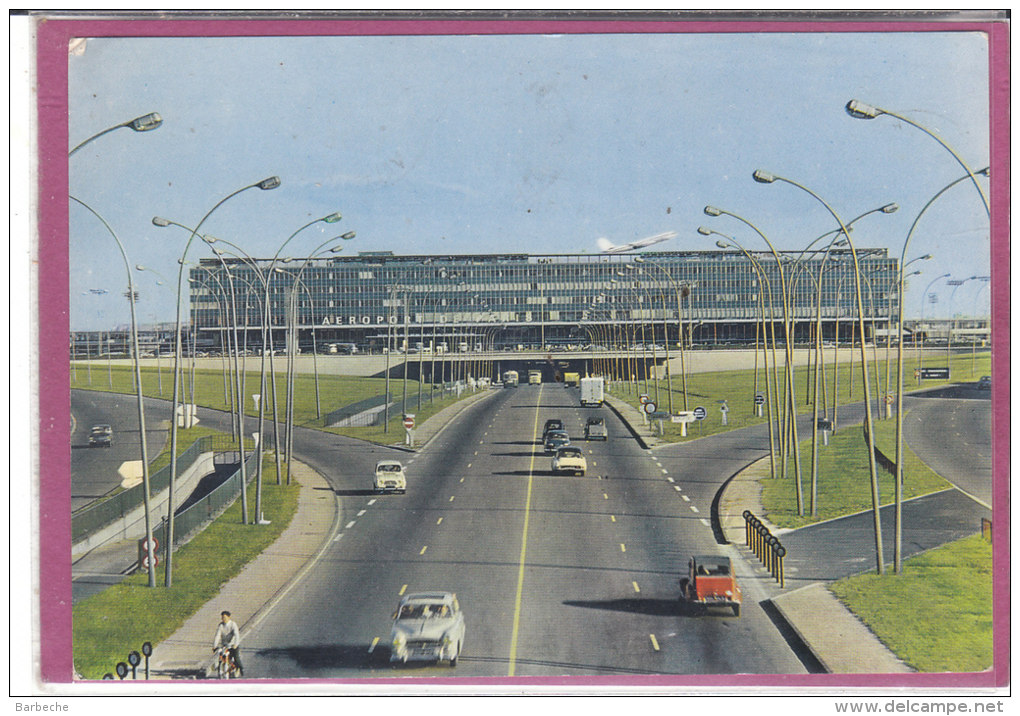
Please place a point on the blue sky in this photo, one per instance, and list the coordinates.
(524, 143)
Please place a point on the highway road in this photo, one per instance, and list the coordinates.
(94, 471)
(557, 575)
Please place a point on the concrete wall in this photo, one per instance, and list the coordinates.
(132, 525)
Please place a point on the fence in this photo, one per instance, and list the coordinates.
(96, 516)
(190, 520)
(765, 545)
(349, 411)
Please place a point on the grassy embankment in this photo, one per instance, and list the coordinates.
(937, 614)
(738, 387)
(120, 619)
(335, 391)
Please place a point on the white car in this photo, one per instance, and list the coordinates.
(427, 626)
(569, 459)
(389, 477)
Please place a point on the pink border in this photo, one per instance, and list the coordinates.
(54, 399)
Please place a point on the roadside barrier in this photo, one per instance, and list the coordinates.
(765, 545)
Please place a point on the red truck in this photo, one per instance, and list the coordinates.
(710, 582)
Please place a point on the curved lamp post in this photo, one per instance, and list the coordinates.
(763, 177)
(766, 286)
(897, 549)
(861, 110)
(265, 185)
(150, 567)
(145, 123)
(790, 402)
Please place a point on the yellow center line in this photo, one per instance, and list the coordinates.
(636, 587)
(612, 517)
(423, 549)
(524, 548)
(655, 642)
(374, 643)
(439, 521)
(402, 590)
(623, 547)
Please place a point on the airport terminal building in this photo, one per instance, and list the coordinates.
(379, 300)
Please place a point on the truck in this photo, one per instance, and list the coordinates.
(534, 377)
(510, 379)
(570, 379)
(592, 392)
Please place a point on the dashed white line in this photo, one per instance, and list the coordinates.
(694, 509)
(362, 512)
(670, 479)
(350, 524)
(705, 522)
(685, 498)
(371, 502)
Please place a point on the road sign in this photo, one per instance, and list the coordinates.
(155, 545)
(759, 399)
(700, 413)
(824, 424)
(658, 416)
(408, 421)
(888, 400)
(643, 398)
(935, 374)
(684, 416)
(650, 407)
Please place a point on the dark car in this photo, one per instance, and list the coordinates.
(101, 436)
(555, 440)
(553, 424)
(985, 383)
(595, 429)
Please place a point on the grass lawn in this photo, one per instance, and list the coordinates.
(937, 614)
(844, 478)
(121, 618)
(737, 389)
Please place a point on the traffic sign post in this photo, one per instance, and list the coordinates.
(934, 373)
(759, 400)
(724, 408)
(700, 413)
(409, 429)
(683, 417)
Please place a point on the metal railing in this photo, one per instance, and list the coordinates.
(94, 517)
(349, 411)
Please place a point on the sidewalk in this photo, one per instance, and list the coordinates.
(634, 420)
(249, 596)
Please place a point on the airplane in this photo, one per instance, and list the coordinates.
(609, 248)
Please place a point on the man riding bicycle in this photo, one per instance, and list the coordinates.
(228, 635)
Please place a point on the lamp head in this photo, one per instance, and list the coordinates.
(160, 221)
(722, 244)
(270, 183)
(704, 230)
(146, 122)
(763, 177)
(859, 110)
(712, 211)
(890, 208)
(332, 218)
(348, 236)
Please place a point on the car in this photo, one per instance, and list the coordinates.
(595, 429)
(710, 582)
(427, 626)
(552, 424)
(569, 459)
(389, 477)
(101, 436)
(985, 383)
(555, 440)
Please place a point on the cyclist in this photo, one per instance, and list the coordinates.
(228, 635)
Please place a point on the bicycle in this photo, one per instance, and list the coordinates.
(226, 667)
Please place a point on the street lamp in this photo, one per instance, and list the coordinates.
(790, 402)
(860, 110)
(150, 566)
(763, 177)
(265, 185)
(145, 123)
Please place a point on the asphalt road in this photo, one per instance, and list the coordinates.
(94, 471)
(558, 575)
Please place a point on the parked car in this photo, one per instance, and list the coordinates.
(595, 429)
(985, 383)
(570, 459)
(553, 424)
(389, 477)
(710, 582)
(427, 626)
(101, 436)
(555, 440)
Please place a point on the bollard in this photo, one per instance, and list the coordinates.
(781, 552)
(773, 557)
(147, 652)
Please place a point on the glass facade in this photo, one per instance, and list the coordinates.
(374, 299)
